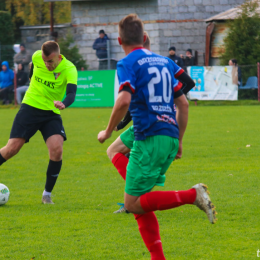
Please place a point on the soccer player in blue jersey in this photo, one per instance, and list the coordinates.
(118, 151)
(147, 85)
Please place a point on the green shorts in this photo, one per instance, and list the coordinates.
(148, 163)
(128, 137)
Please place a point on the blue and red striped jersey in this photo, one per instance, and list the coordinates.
(151, 78)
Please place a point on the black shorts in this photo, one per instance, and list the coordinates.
(30, 119)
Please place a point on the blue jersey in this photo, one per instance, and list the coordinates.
(151, 78)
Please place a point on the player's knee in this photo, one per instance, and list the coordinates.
(12, 149)
(110, 153)
(130, 207)
(56, 153)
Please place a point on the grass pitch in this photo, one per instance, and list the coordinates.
(81, 224)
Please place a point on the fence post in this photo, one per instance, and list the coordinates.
(108, 55)
(15, 87)
(258, 79)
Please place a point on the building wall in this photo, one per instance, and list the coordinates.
(35, 36)
(169, 22)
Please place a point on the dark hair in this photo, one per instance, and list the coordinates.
(131, 30)
(147, 43)
(22, 45)
(49, 47)
(189, 50)
(22, 66)
(172, 48)
(234, 61)
(101, 31)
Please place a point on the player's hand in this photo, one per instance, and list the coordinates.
(103, 136)
(59, 105)
(115, 129)
(179, 154)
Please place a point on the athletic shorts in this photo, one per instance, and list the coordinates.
(128, 137)
(148, 163)
(30, 119)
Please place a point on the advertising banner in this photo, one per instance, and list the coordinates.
(213, 83)
(95, 89)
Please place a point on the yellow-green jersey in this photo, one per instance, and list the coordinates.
(48, 86)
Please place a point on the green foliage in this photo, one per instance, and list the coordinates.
(251, 94)
(6, 25)
(34, 12)
(81, 224)
(6, 37)
(243, 40)
(2, 5)
(72, 53)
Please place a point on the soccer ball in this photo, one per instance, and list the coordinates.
(4, 194)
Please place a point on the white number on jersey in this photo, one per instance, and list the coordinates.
(156, 80)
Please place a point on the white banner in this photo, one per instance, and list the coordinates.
(213, 83)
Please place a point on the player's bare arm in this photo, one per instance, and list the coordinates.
(119, 110)
(182, 119)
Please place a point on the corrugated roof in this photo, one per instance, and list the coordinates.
(230, 14)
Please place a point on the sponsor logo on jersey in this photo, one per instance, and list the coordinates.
(56, 75)
(45, 82)
(166, 119)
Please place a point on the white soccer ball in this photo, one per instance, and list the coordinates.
(4, 194)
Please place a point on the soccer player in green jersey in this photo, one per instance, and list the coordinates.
(51, 76)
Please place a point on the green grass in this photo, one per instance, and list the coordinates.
(81, 224)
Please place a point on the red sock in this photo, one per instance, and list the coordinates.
(149, 230)
(162, 200)
(120, 161)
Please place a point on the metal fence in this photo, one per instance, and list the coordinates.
(248, 88)
(7, 53)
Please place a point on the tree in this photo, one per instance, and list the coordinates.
(243, 40)
(34, 12)
(2, 5)
(72, 53)
(6, 37)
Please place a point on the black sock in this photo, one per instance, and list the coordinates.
(52, 174)
(2, 159)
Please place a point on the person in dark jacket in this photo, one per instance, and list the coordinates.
(22, 77)
(100, 45)
(189, 60)
(6, 82)
(22, 83)
(174, 57)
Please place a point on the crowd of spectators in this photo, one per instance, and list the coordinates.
(23, 61)
(182, 61)
(7, 77)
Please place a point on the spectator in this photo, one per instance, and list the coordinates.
(23, 57)
(100, 45)
(22, 83)
(236, 72)
(174, 57)
(188, 60)
(6, 82)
